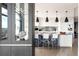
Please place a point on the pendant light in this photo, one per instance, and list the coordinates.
(56, 20)
(47, 20)
(37, 18)
(66, 19)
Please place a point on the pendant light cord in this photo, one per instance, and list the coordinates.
(66, 13)
(47, 16)
(66, 19)
(56, 20)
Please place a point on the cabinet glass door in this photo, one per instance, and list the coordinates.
(16, 22)
(4, 25)
(4, 30)
(21, 29)
(20, 23)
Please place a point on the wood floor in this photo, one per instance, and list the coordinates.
(65, 51)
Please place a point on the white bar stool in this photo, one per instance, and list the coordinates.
(37, 37)
(46, 38)
(54, 37)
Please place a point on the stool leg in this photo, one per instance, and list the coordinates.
(48, 43)
(52, 43)
(38, 42)
(43, 44)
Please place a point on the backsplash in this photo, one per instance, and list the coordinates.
(47, 28)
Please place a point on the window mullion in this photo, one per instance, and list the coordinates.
(4, 15)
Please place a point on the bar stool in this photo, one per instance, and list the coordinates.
(46, 38)
(36, 41)
(54, 40)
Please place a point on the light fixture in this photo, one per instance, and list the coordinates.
(66, 19)
(56, 20)
(37, 18)
(47, 19)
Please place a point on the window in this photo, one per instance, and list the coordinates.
(4, 22)
(4, 16)
(4, 11)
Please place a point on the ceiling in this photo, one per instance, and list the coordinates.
(73, 5)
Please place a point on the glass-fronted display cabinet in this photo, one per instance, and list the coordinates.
(16, 28)
(4, 24)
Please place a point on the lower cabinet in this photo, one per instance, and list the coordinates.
(5, 50)
(21, 51)
(15, 51)
(65, 41)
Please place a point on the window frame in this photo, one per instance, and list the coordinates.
(5, 7)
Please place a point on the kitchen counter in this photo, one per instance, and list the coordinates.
(65, 40)
(48, 32)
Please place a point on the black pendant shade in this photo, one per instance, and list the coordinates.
(37, 19)
(56, 20)
(66, 19)
(47, 19)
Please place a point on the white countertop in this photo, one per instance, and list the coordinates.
(47, 32)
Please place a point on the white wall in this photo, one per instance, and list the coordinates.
(52, 8)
